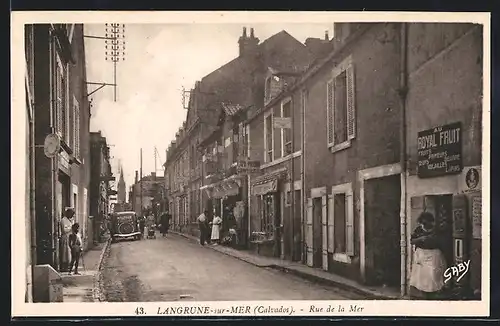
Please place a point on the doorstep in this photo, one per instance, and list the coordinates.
(298, 269)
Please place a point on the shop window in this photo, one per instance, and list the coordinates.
(341, 125)
(268, 215)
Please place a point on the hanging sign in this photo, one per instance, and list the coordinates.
(440, 151)
(282, 123)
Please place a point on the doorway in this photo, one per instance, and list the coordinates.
(382, 226)
(317, 232)
(297, 226)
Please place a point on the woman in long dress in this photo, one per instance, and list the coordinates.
(216, 224)
(66, 225)
(429, 263)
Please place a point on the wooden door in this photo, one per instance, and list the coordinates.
(309, 233)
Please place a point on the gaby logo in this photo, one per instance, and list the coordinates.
(457, 271)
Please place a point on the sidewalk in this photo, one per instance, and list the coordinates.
(82, 288)
(298, 269)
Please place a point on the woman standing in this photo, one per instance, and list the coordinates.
(216, 225)
(66, 225)
(429, 263)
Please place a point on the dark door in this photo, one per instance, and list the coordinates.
(317, 232)
(297, 226)
(382, 210)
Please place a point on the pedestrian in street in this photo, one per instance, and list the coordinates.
(165, 223)
(66, 224)
(429, 263)
(202, 224)
(75, 243)
(142, 225)
(216, 226)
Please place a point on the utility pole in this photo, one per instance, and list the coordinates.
(117, 43)
(140, 181)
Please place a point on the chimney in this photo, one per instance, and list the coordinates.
(136, 176)
(326, 36)
(248, 45)
(153, 176)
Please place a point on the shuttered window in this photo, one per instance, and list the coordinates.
(268, 137)
(287, 132)
(341, 213)
(341, 114)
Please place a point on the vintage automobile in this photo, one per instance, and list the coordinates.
(124, 225)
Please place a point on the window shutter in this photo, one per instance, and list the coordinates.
(331, 229)
(351, 108)
(349, 224)
(309, 232)
(324, 231)
(330, 103)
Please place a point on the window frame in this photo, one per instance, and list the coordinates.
(345, 189)
(284, 102)
(268, 151)
(345, 66)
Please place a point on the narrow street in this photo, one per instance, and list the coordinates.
(175, 269)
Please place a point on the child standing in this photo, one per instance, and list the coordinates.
(75, 243)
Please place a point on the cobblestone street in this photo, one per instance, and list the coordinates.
(176, 269)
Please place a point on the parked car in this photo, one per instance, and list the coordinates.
(125, 225)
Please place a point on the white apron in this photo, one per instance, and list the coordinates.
(427, 272)
(216, 228)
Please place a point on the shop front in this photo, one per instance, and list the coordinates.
(451, 191)
(225, 200)
(266, 224)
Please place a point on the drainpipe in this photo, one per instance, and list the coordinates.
(31, 134)
(403, 90)
(292, 181)
(302, 174)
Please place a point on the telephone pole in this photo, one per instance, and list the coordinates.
(140, 181)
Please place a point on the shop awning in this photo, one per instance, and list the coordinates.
(227, 187)
(268, 183)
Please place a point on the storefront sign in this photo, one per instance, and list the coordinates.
(64, 161)
(262, 189)
(245, 166)
(440, 151)
(476, 216)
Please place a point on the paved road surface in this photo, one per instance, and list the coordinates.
(175, 269)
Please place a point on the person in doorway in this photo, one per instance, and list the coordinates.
(66, 224)
(75, 243)
(202, 224)
(216, 227)
(429, 263)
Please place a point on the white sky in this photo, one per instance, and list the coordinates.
(159, 61)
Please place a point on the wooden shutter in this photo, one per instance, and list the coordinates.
(324, 231)
(330, 109)
(351, 108)
(309, 233)
(331, 219)
(349, 223)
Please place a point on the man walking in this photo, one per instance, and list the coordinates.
(202, 224)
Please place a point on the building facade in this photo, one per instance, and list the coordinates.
(101, 175)
(237, 86)
(62, 108)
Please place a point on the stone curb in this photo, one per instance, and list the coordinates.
(317, 279)
(97, 292)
